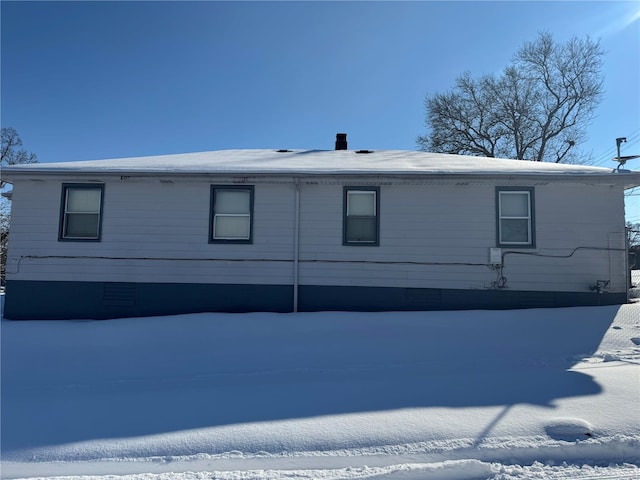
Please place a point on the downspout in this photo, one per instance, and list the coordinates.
(296, 246)
(627, 266)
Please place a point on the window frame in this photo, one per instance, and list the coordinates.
(345, 207)
(530, 191)
(212, 214)
(62, 237)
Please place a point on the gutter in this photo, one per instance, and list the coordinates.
(627, 179)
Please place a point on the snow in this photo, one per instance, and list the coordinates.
(499, 395)
(321, 162)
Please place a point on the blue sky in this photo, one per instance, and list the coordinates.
(90, 80)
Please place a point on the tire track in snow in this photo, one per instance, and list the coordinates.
(454, 464)
(449, 470)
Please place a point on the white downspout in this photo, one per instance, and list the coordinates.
(627, 267)
(296, 246)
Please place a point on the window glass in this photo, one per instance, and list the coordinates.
(82, 226)
(231, 227)
(515, 231)
(514, 204)
(233, 201)
(361, 229)
(83, 200)
(361, 203)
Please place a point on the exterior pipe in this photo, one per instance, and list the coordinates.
(627, 267)
(296, 246)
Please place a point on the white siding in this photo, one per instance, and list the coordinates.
(162, 228)
(431, 236)
(448, 229)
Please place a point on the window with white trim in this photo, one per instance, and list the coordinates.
(81, 212)
(515, 216)
(231, 214)
(361, 225)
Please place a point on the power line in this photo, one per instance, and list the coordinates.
(603, 158)
(632, 138)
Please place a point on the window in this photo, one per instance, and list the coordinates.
(81, 212)
(361, 224)
(515, 216)
(231, 214)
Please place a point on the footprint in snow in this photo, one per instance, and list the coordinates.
(636, 340)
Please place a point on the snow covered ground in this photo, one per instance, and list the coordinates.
(499, 395)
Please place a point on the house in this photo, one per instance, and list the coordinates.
(308, 230)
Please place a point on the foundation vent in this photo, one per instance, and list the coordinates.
(119, 294)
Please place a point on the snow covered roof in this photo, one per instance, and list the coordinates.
(319, 162)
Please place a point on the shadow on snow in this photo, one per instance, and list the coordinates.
(66, 381)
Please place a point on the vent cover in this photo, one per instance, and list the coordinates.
(119, 294)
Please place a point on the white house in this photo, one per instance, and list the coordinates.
(300, 230)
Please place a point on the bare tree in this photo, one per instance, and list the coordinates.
(633, 242)
(633, 234)
(537, 109)
(4, 238)
(11, 153)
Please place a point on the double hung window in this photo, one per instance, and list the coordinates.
(515, 212)
(231, 214)
(361, 220)
(81, 212)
